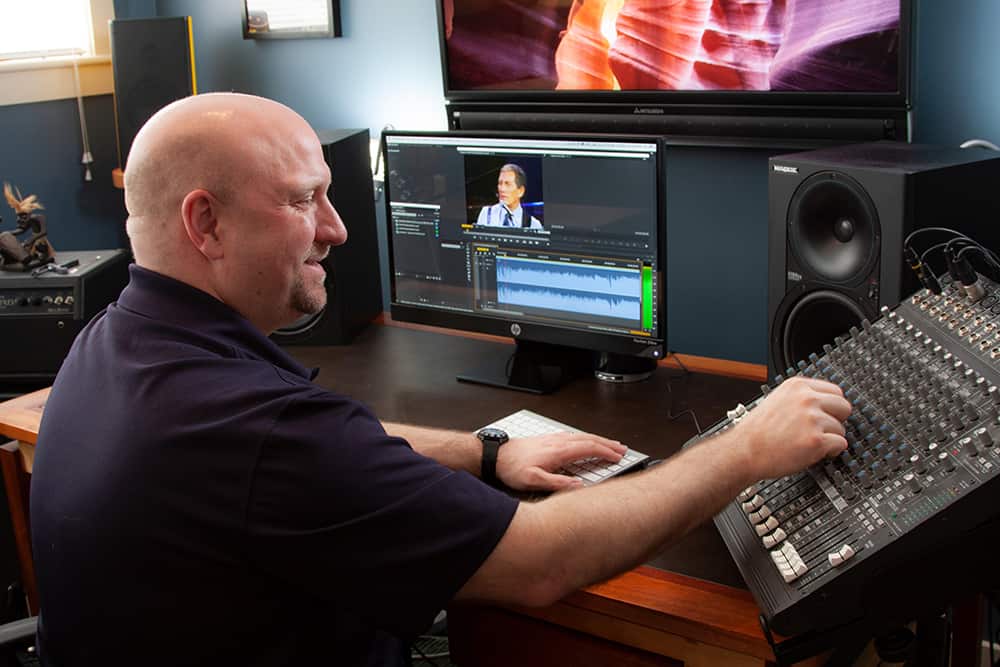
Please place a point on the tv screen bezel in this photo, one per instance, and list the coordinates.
(702, 101)
(652, 348)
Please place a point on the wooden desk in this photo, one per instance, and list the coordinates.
(689, 605)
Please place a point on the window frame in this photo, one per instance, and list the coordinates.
(24, 81)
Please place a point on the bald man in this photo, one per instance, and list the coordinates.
(198, 500)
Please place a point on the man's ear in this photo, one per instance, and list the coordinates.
(200, 213)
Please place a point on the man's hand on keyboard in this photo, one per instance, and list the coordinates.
(530, 464)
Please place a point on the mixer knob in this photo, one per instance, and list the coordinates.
(813, 358)
(864, 479)
(790, 372)
(827, 349)
(938, 434)
(971, 412)
(946, 461)
(879, 471)
(918, 464)
(853, 466)
(911, 481)
(801, 365)
(849, 492)
(969, 446)
(994, 393)
(838, 341)
(778, 379)
(982, 385)
(854, 332)
(984, 437)
(866, 324)
(893, 461)
(765, 389)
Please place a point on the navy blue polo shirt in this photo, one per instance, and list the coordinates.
(196, 499)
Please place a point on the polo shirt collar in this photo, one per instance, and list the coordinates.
(161, 297)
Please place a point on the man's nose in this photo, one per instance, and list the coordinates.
(331, 228)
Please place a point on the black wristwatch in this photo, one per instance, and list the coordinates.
(491, 438)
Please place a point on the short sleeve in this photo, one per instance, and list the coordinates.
(349, 514)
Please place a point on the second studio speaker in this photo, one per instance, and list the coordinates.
(837, 221)
(353, 283)
(153, 64)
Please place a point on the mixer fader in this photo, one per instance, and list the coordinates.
(919, 470)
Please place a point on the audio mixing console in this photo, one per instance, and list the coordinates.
(919, 474)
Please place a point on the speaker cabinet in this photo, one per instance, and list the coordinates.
(153, 64)
(837, 221)
(353, 284)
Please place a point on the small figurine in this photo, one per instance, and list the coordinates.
(35, 250)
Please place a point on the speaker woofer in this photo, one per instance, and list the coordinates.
(815, 320)
(833, 228)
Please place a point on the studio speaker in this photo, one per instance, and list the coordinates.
(152, 62)
(353, 285)
(837, 221)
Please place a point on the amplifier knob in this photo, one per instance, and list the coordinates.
(58, 300)
(70, 300)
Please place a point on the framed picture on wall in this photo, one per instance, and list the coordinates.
(290, 19)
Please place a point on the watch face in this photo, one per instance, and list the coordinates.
(496, 434)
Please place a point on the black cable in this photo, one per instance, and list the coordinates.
(911, 235)
(984, 253)
(670, 392)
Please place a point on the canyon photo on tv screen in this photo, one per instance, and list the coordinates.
(793, 46)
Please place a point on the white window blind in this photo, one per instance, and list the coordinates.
(44, 28)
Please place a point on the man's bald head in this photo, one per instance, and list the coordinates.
(217, 142)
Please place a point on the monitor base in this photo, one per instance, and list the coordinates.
(619, 368)
(536, 368)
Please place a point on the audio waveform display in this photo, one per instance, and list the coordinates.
(576, 277)
(614, 293)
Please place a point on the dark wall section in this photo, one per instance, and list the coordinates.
(717, 252)
(40, 154)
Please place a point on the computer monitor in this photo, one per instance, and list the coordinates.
(554, 240)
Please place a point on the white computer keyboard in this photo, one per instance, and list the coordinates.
(524, 423)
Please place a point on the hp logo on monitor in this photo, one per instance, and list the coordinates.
(515, 329)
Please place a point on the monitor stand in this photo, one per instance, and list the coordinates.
(621, 368)
(537, 368)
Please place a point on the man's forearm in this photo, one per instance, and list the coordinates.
(455, 449)
(574, 539)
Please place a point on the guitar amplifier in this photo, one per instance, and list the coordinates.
(41, 314)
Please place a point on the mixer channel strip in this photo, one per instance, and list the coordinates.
(923, 382)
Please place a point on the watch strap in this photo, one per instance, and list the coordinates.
(488, 471)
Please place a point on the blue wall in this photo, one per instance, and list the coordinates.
(40, 151)
(386, 70)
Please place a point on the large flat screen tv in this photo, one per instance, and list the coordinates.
(794, 57)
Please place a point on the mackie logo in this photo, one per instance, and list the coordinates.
(647, 110)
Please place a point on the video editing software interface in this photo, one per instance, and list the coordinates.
(561, 232)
